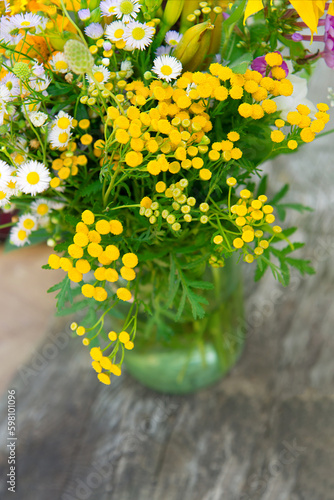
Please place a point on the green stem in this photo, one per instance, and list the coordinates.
(112, 182)
(73, 23)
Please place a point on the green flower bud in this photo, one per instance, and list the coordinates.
(21, 70)
(148, 75)
(79, 59)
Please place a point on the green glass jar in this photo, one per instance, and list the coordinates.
(198, 353)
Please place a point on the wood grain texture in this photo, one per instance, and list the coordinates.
(264, 432)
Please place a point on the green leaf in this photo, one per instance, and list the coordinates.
(193, 298)
(261, 268)
(285, 273)
(65, 293)
(81, 113)
(236, 14)
(297, 206)
(280, 194)
(241, 64)
(203, 285)
(302, 265)
(56, 287)
(59, 89)
(262, 188)
(281, 212)
(71, 220)
(77, 306)
(92, 188)
(181, 305)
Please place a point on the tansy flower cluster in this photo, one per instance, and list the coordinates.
(252, 218)
(93, 250)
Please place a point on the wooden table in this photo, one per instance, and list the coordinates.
(265, 432)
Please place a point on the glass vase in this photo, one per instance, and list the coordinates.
(197, 353)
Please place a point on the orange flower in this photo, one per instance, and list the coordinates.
(33, 46)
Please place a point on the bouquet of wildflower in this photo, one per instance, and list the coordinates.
(132, 137)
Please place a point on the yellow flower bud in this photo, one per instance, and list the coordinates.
(194, 45)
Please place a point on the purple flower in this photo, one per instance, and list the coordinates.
(259, 64)
(297, 37)
(328, 53)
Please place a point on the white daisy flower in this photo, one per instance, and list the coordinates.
(33, 177)
(84, 14)
(115, 31)
(12, 83)
(41, 207)
(38, 118)
(107, 8)
(42, 26)
(127, 66)
(57, 205)
(12, 189)
(63, 121)
(167, 67)
(94, 30)
(28, 222)
(126, 10)
(39, 84)
(30, 107)
(18, 236)
(58, 63)
(26, 21)
(173, 38)
(5, 173)
(4, 98)
(100, 73)
(163, 50)
(59, 138)
(138, 35)
(6, 29)
(38, 71)
(7, 7)
(4, 93)
(4, 197)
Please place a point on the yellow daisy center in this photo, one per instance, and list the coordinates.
(25, 23)
(21, 235)
(119, 33)
(60, 65)
(99, 76)
(33, 178)
(28, 224)
(11, 184)
(42, 209)
(2, 195)
(166, 70)
(172, 42)
(111, 10)
(9, 85)
(64, 123)
(138, 33)
(126, 7)
(63, 137)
